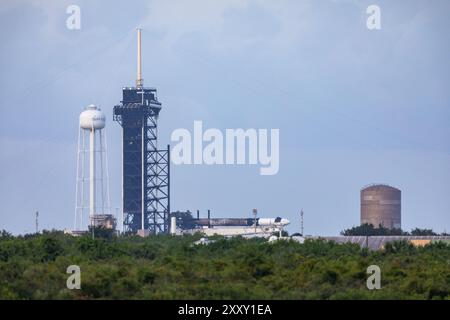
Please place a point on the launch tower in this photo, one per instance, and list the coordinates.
(146, 169)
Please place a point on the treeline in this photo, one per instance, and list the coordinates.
(370, 230)
(167, 267)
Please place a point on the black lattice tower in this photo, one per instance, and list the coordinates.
(146, 169)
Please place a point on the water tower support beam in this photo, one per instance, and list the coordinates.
(92, 174)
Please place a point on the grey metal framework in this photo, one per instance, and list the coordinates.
(146, 170)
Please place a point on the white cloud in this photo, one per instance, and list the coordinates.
(178, 18)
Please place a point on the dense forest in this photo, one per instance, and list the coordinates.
(166, 267)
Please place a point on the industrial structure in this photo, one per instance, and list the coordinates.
(381, 206)
(185, 223)
(146, 169)
(92, 190)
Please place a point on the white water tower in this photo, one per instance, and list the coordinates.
(92, 190)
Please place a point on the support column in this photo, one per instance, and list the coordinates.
(92, 174)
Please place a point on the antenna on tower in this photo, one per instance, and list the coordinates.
(301, 222)
(139, 80)
(37, 221)
(255, 213)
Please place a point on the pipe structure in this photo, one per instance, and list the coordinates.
(139, 80)
(209, 219)
(142, 179)
(173, 226)
(92, 173)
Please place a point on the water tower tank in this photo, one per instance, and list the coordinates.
(92, 118)
(381, 205)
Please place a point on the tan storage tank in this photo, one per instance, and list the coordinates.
(381, 205)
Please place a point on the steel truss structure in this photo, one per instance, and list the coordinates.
(146, 170)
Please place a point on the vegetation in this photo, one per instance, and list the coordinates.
(369, 230)
(166, 267)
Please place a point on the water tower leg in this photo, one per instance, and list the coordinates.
(92, 174)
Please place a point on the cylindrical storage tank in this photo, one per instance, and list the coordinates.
(173, 226)
(381, 205)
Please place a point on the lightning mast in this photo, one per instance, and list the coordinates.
(37, 221)
(301, 222)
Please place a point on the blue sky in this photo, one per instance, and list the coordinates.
(353, 106)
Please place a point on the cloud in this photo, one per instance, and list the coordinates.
(52, 14)
(36, 175)
(228, 24)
